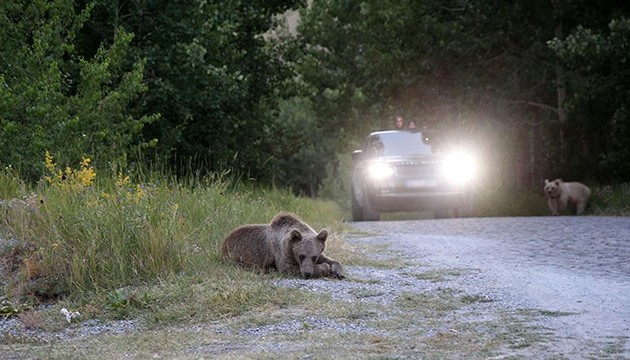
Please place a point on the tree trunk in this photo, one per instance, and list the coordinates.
(561, 89)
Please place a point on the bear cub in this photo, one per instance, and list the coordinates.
(287, 243)
(560, 193)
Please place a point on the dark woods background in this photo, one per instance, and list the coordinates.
(540, 88)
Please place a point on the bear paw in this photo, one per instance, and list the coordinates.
(335, 270)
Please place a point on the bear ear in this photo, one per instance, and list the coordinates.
(322, 236)
(558, 181)
(546, 181)
(295, 236)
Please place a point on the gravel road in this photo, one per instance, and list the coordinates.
(579, 266)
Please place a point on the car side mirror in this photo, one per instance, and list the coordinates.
(357, 155)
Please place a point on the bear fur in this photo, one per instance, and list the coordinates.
(560, 194)
(287, 243)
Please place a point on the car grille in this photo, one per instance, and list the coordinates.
(415, 169)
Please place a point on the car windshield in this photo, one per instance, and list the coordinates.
(399, 143)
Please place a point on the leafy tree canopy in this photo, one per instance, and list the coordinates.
(52, 98)
(210, 73)
(480, 66)
(599, 61)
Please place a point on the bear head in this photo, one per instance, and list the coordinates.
(553, 188)
(306, 249)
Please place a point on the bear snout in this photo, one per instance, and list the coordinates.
(551, 190)
(307, 269)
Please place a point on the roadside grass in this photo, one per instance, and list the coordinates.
(439, 275)
(489, 202)
(147, 249)
(425, 325)
(122, 248)
(363, 255)
(610, 200)
(12, 184)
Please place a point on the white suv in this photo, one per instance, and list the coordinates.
(408, 170)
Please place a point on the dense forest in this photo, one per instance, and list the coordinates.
(540, 88)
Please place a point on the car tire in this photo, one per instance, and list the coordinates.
(370, 213)
(357, 209)
(465, 208)
(441, 213)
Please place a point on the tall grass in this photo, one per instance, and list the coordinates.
(504, 201)
(82, 234)
(10, 183)
(611, 200)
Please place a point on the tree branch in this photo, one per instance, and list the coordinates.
(535, 104)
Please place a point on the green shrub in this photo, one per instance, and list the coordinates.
(610, 200)
(510, 202)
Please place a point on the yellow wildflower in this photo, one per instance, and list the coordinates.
(121, 181)
(139, 193)
(50, 164)
(70, 179)
(86, 175)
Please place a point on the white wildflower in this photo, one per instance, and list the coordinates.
(69, 314)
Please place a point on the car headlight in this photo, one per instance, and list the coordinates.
(460, 167)
(380, 171)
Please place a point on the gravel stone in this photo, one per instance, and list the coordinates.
(13, 328)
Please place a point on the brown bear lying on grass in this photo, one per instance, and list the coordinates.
(560, 193)
(287, 243)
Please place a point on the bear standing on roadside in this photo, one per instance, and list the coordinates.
(560, 193)
(287, 243)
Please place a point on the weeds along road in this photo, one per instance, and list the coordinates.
(576, 269)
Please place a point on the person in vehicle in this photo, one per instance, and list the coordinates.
(400, 122)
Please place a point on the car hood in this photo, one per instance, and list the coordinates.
(411, 160)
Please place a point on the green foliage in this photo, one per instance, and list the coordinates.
(502, 201)
(598, 61)
(121, 302)
(480, 65)
(336, 184)
(300, 147)
(207, 86)
(345, 64)
(8, 308)
(210, 73)
(442, 66)
(50, 99)
(610, 200)
(388, 57)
